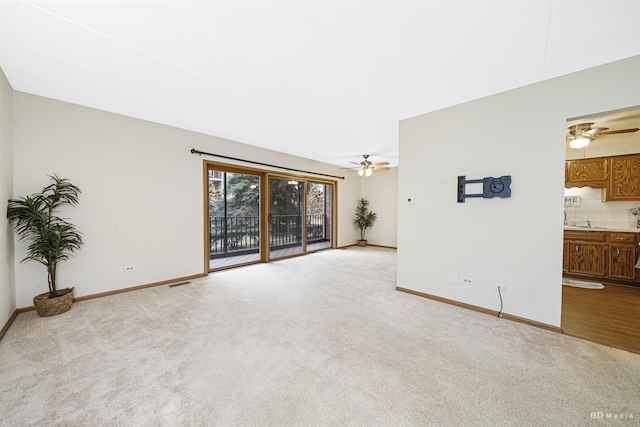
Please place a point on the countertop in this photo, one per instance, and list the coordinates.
(595, 228)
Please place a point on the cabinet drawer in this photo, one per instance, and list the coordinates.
(587, 236)
(622, 238)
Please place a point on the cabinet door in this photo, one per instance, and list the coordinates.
(588, 258)
(587, 172)
(625, 178)
(566, 255)
(622, 261)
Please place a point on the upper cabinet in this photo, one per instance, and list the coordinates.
(625, 178)
(587, 173)
(619, 176)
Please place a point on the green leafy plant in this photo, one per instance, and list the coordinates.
(364, 217)
(52, 239)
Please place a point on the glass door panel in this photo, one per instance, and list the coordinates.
(286, 210)
(234, 218)
(319, 209)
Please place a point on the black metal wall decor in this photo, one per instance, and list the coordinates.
(491, 187)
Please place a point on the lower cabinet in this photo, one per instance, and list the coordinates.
(624, 253)
(588, 258)
(586, 253)
(601, 255)
(622, 261)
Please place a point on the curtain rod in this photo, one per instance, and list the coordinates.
(194, 151)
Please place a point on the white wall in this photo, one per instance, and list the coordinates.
(142, 201)
(516, 241)
(7, 285)
(381, 189)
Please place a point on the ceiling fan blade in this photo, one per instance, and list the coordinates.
(596, 130)
(376, 168)
(614, 132)
(381, 164)
(355, 163)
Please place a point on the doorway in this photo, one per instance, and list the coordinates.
(601, 236)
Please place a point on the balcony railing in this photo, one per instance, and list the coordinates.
(241, 234)
(234, 234)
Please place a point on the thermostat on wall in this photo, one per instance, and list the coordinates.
(410, 200)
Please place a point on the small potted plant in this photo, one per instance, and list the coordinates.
(364, 219)
(51, 239)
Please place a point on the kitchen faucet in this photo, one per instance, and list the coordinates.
(588, 223)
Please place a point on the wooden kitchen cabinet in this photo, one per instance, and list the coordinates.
(619, 176)
(587, 253)
(623, 256)
(622, 262)
(588, 258)
(601, 255)
(625, 178)
(587, 173)
(565, 256)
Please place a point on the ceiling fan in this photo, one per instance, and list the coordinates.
(366, 167)
(581, 134)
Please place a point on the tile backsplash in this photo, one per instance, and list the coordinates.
(592, 208)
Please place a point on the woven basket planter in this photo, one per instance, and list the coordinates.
(362, 243)
(47, 306)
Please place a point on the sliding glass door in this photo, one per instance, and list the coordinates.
(300, 216)
(286, 213)
(257, 216)
(234, 218)
(319, 217)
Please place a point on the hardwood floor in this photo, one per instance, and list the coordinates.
(609, 316)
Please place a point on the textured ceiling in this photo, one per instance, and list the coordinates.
(327, 80)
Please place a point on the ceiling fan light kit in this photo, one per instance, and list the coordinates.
(581, 142)
(366, 168)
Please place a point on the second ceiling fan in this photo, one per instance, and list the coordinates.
(581, 134)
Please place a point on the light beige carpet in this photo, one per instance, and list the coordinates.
(317, 340)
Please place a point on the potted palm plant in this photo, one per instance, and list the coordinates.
(364, 219)
(51, 239)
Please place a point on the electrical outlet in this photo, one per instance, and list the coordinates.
(454, 277)
(467, 280)
(129, 268)
(503, 288)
